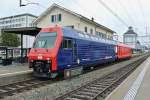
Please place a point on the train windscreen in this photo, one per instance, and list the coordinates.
(45, 40)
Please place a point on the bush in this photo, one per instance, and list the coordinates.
(10, 39)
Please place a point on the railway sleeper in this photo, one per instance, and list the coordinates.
(83, 97)
(87, 93)
(72, 98)
(3, 90)
(94, 88)
(92, 91)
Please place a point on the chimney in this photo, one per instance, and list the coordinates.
(92, 19)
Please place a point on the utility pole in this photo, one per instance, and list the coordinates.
(146, 30)
(21, 3)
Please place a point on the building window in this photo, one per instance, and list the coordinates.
(91, 31)
(59, 17)
(103, 35)
(56, 18)
(52, 18)
(71, 26)
(97, 33)
(22, 19)
(111, 37)
(85, 29)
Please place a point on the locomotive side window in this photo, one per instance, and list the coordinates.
(69, 44)
(66, 43)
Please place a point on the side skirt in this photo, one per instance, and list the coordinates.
(68, 73)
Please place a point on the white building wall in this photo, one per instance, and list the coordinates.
(84, 24)
(69, 20)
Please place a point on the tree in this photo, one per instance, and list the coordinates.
(10, 39)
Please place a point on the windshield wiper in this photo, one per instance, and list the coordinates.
(45, 44)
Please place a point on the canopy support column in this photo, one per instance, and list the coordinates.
(21, 48)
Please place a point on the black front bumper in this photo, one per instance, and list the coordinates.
(41, 75)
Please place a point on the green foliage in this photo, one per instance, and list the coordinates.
(10, 39)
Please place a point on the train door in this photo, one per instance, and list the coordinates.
(74, 51)
(65, 56)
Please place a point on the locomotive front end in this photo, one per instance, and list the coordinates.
(43, 55)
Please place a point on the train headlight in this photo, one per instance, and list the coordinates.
(47, 58)
(49, 61)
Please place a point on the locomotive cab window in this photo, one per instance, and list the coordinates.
(66, 43)
(45, 40)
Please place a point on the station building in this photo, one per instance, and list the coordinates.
(58, 15)
(130, 38)
(18, 21)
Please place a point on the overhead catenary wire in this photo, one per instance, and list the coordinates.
(134, 10)
(83, 8)
(61, 1)
(146, 37)
(29, 2)
(113, 13)
(52, 1)
(38, 4)
(126, 11)
(143, 14)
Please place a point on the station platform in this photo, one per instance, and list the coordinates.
(13, 68)
(14, 73)
(136, 86)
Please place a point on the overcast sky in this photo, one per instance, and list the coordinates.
(134, 13)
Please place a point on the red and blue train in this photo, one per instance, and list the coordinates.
(57, 49)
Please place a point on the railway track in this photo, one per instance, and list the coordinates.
(100, 88)
(11, 89)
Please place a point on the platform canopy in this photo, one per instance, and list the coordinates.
(32, 31)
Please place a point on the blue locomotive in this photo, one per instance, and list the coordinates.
(58, 50)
